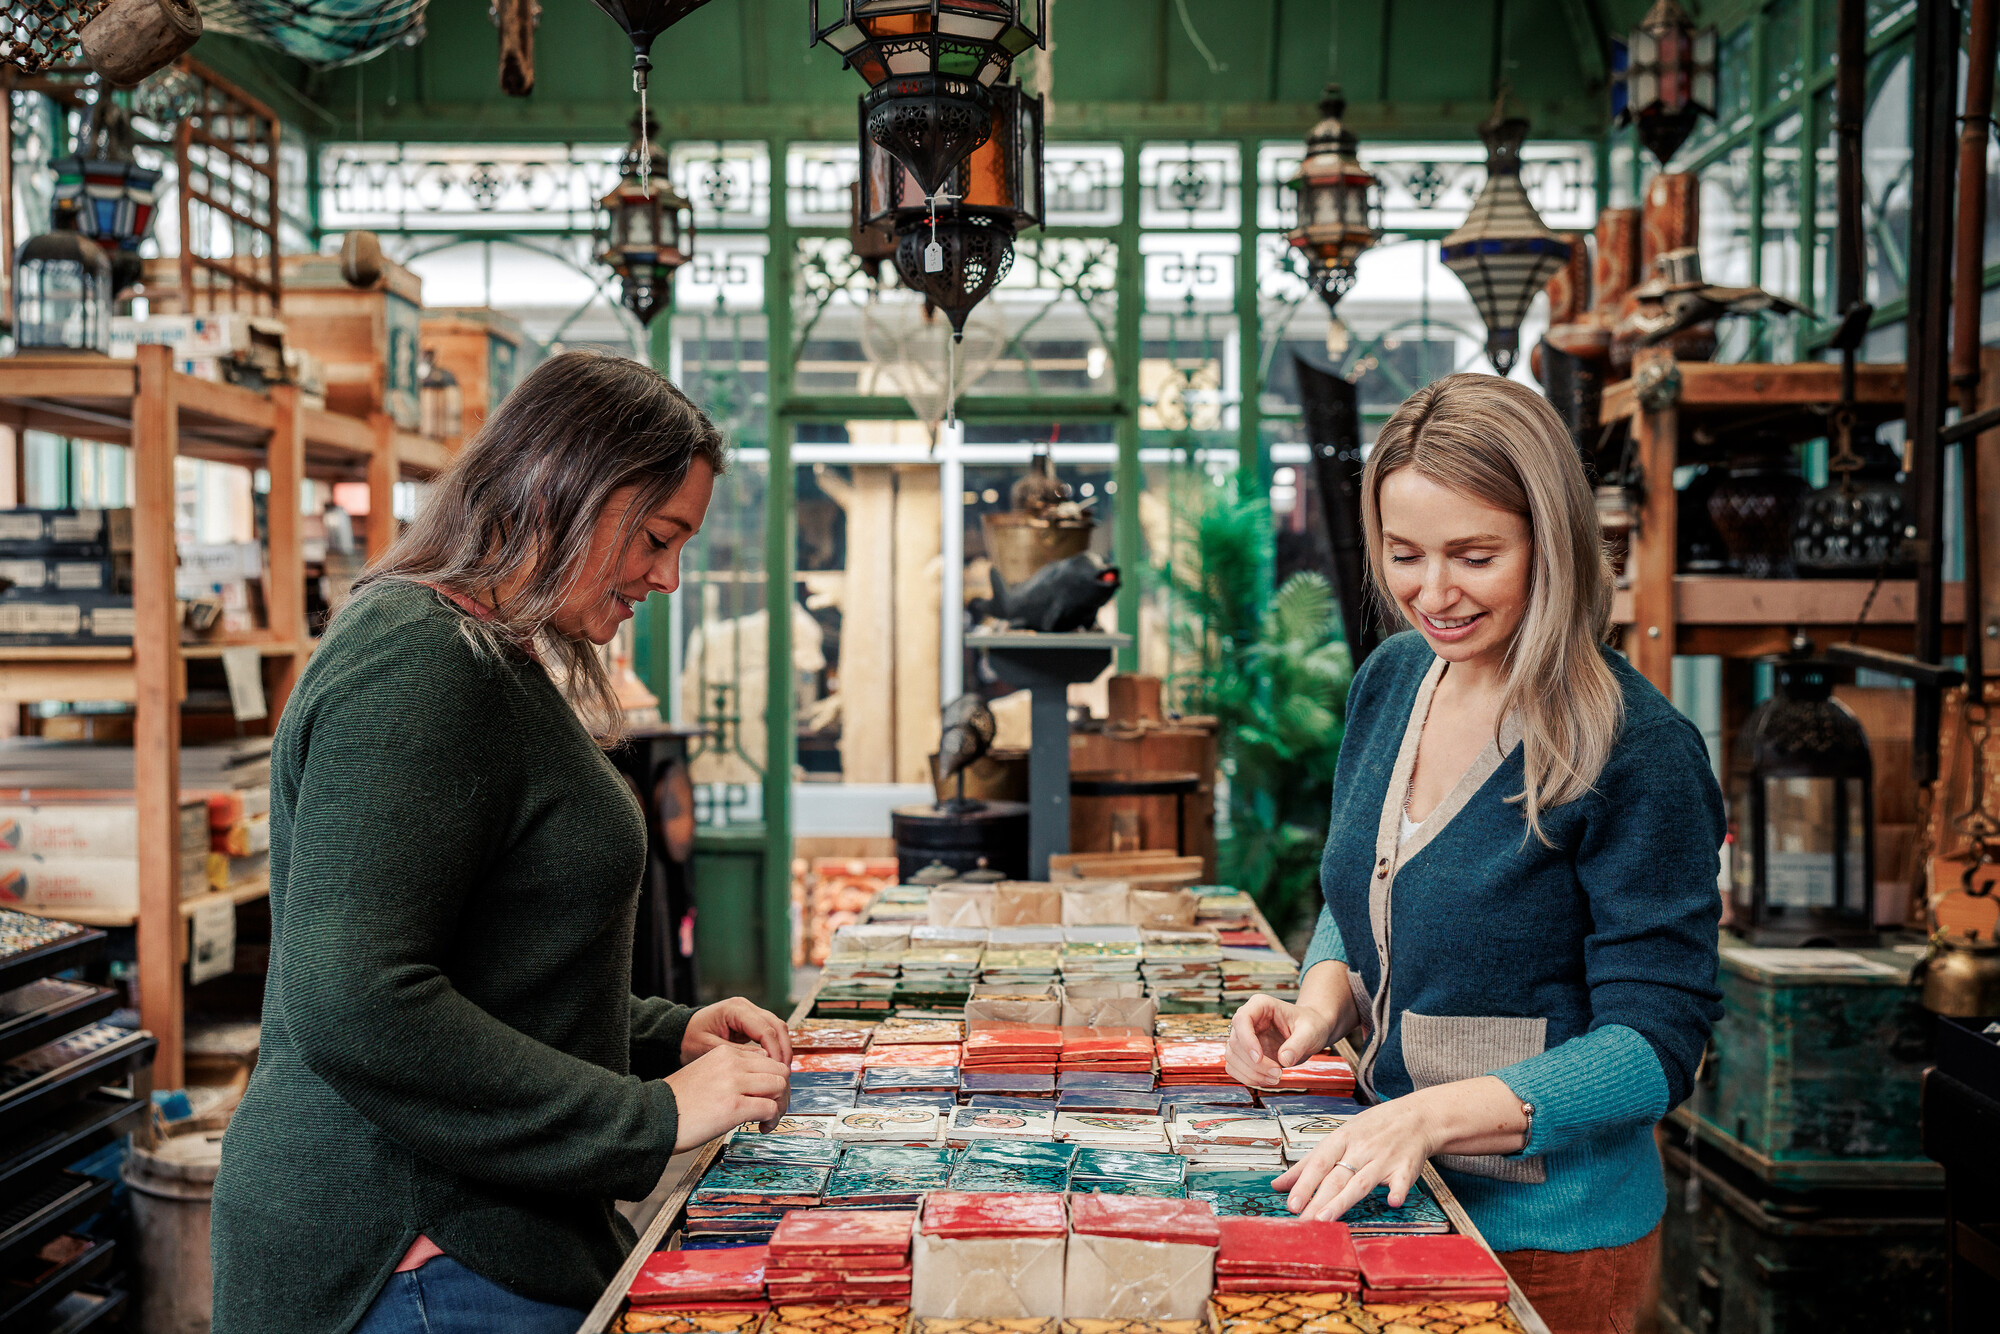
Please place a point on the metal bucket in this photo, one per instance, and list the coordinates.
(173, 1189)
(1019, 545)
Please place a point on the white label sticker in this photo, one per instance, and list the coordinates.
(212, 951)
(245, 669)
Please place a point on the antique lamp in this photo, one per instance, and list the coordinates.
(649, 229)
(956, 253)
(1663, 78)
(1339, 203)
(931, 66)
(62, 294)
(440, 399)
(1503, 253)
(107, 196)
(1802, 867)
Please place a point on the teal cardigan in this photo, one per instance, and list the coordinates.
(1581, 974)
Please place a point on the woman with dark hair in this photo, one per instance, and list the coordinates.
(455, 1082)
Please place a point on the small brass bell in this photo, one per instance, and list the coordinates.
(1961, 977)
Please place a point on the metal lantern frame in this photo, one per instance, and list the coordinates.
(1801, 733)
(1504, 253)
(1338, 203)
(649, 229)
(974, 40)
(1664, 78)
(63, 256)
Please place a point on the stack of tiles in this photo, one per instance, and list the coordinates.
(1182, 969)
(1013, 1166)
(1192, 1061)
(640, 1320)
(1139, 1257)
(852, 1257)
(1129, 1092)
(1007, 1084)
(901, 904)
(1105, 1051)
(1022, 956)
(1303, 1133)
(1124, 1172)
(1012, 1049)
(861, 970)
(1429, 1269)
(822, 1092)
(822, 1062)
(1310, 1104)
(900, 1072)
(837, 1320)
(934, 1325)
(1290, 1312)
(939, 967)
(1187, 1099)
(731, 1280)
(1101, 954)
(744, 1201)
(881, 1176)
(777, 1148)
(1236, 1193)
(897, 1031)
(832, 1034)
(1221, 908)
(994, 1256)
(1418, 1215)
(1142, 1134)
(969, 1125)
(1249, 972)
(1278, 1255)
(1249, 1138)
(1209, 1027)
(1324, 1074)
(912, 1127)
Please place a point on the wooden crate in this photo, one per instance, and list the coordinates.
(367, 338)
(483, 348)
(1183, 747)
(1814, 1077)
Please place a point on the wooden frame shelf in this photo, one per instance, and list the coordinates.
(1734, 617)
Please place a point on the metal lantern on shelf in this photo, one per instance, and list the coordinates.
(1664, 78)
(440, 399)
(1503, 252)
(62, 294)
(931, 67)
(649, 229)
(1802, 866)
(104, 194)
(1339, 203)
(955, 254)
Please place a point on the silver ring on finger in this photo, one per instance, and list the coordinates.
(1349, 1166)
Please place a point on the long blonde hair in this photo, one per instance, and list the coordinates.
(1502, 444)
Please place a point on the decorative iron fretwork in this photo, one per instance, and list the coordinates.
(1431, 186)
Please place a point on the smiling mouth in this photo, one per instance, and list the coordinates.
(1451, 622)
(630, 603)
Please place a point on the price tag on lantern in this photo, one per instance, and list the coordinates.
(934, 258)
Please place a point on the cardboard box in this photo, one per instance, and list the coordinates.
(78, 533)
(98, 887)
(60, 574)
(94, 829)
(39, 618)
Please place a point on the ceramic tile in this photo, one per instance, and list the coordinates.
(1180, 1222)
(1214, 1178)
(1079, 1325)
(1123, 1164)
(931, 1054)
(989, 1101)
(1310, 1104)
(844, 1231)
(1110, 1130)
(1212, 1095)
(828, 1060)
(1294, 1247)
(970, 1123)
(825, 1079)
(910, 1078)
(843, 1319)
(877, 1174)
(769, 1184)
(820, 1102)
(1069, 1081)
(828, 1035)
(1289, 1313)
(1238, 1204)
(939, 1101)
(962, 1214)
(902, 1032)
(1116, 1101)
(981, 1325)
(692, 1322)
(805, 1127)
(681, 1276)
(1463, 1317)
(1419, 1214)
(1226, 1128)
(886, 1123)
(1418, 1262)
(751, 1146)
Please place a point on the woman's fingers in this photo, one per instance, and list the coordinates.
(1306, 1177)
(762, 1027)
(1257, 1032)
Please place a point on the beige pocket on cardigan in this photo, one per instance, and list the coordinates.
(1441, 1049)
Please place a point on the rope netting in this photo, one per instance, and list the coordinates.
(37, 35)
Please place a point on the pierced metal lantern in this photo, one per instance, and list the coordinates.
(1503, 253)
(62, 294)
(1663, 78)
(1339, 203)
(930, 66)
(104, 194)
(1802, 865)
(649, 230)
(994, 193)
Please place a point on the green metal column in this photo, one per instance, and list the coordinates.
(651, 654)
(1129, 549)
(1253, 464)
(779, 518)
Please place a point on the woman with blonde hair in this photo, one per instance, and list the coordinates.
(1520, 876)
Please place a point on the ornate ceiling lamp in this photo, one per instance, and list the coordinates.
(1664, 79)
(649, 227)
(643, 21)
(1339, 203)
(1503, 253)
(103, 193)
(956, 253)
(932, 67)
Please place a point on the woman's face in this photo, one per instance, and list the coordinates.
(618, 575)
(1456, 566)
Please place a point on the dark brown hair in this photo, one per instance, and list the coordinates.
(518, 506)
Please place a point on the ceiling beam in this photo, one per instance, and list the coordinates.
(1586, 33)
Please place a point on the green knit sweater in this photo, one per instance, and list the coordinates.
(450, 1042)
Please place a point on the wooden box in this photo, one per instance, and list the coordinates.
(1814, 1074)
(483, 348)
(367, 338)
(1188, 746)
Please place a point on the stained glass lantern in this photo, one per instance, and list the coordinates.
(104, 194)
(1503, 253)
(1802, 863)
(931, 66)
(1339, 203)
(62, 294)
(956, 254)
(1663, 78)
(649, 230)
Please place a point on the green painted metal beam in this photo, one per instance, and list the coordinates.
(1126, 544)
(780, 516)
(995, 408)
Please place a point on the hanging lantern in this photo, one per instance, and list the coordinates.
(1503, 253)
(643, 21)
(872, 242)
(105, 195)
(62, 294)
(649, 231)
(956, 253)
(1663, 78)
(440, 399)
(930, 67)
(1802, 866)
(1339, 203)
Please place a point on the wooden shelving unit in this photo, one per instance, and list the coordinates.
(161, 414)
(1666, 613)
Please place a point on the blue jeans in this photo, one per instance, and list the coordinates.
(444, 1297)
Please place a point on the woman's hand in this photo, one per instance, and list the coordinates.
(735, 1021)
(731, 1084)
(1268, 1034)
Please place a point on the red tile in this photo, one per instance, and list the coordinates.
(1284, 1246)
(843, 1231)
(950, 1213)
(1426, 1263)
(1189, 1222)
(828, 1060)
(723, 1275)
